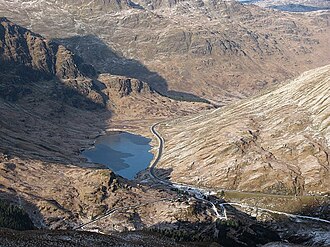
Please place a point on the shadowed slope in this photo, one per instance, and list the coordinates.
(26, 57)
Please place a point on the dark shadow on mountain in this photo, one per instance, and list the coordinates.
(16, 81)
(13, 214)
(319, 208)
(239, 231)
(291, 229)
(70, 238)
(307, 228)
(163, 173)
(41, 99)
(300, 231)
(137, 221)
(92, 49)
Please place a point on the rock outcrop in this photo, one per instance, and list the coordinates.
(124, 86)
(41, 58)
(27, 57)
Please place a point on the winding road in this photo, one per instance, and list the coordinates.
(198, 193)
(190, 190)
(158, 155)
(201, 194)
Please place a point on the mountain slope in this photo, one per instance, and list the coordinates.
(219, 50)
(41, 169)
(275, 143)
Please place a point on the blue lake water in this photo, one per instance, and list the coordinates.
(124, 153)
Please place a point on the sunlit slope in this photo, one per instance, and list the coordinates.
(277, 142)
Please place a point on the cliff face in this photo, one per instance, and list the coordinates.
(275, 143)
(26, 57)
(41, 58)
(123, 86)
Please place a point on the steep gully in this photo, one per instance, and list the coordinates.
(198, 193)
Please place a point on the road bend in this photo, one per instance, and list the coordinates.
(196, 193)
